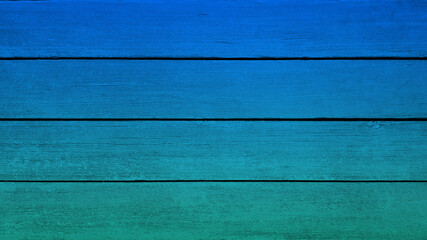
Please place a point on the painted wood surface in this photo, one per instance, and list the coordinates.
(219, 28)
(213, 89)
(368, 211)
(213, 150)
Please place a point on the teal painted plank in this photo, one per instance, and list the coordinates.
(219, 28)
(213, 89)
(213, 150)
(214, 211)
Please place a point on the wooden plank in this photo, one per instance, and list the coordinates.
(219, 28)
(213, 89)
(214, 211)
(213, 150)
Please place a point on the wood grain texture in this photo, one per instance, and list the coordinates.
(212, 89)
(213, 150)
(218, 28)
(213, 211)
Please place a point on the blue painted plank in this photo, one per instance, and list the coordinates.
(212, 89)
(219, 28)
(213, 150)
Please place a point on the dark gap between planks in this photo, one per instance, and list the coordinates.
(216, 58)
(213, 181)
(421, 119)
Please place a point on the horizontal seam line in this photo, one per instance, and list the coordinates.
(215, 119)
(213, 181)
(216, 58)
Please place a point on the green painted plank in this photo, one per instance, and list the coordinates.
(213, 211)
(213, 150)
(219, 28)
(213, 89)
